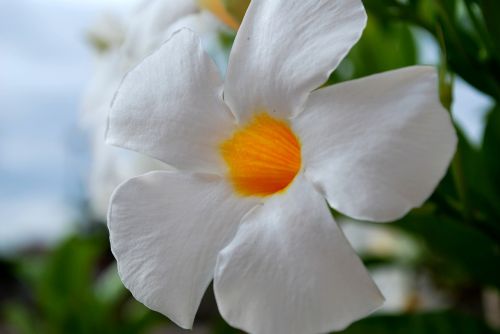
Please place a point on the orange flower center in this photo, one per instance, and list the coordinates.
(263, 157)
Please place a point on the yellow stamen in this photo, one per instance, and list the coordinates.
(263, 157)
(217, 8)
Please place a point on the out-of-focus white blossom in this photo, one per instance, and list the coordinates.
(379, 240)
(121, 44)
(107, 33)
(403, 288)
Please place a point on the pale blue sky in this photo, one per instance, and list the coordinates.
(44, 65)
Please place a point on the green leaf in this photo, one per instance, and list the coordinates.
(383, 46)
(458, 245)
(490, 10)
(491, 148)
(221, 327)
(65, 289)
(427, 323)
(19, 319)
(466, 55)
(481, 190)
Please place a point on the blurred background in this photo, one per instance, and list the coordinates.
(60, 63)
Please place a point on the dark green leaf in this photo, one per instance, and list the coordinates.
(490, 10)
(430, 323)
(491, 148)
(472, 252)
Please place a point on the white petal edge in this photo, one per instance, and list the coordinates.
(169, 107)
(284, 49)
(110, 167)
(290, 270)
(147, 27)
(209, 28)
(166, 229)
(377, 147)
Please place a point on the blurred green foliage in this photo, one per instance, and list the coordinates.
(439, 322)
(466, 30)
(459, 227)
(74, 288)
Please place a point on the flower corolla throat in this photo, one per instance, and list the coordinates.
(263, 156)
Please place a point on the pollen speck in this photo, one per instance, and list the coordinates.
(263, 156)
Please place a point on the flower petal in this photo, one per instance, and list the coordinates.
(169, 107)
(147, 27)
(377, 147)
(290, 270)
(166, 230)
(285, 49)
(209, 29)
(110, 167)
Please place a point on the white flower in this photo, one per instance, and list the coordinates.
(123, 47)
(247, 207)
(107, 33)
